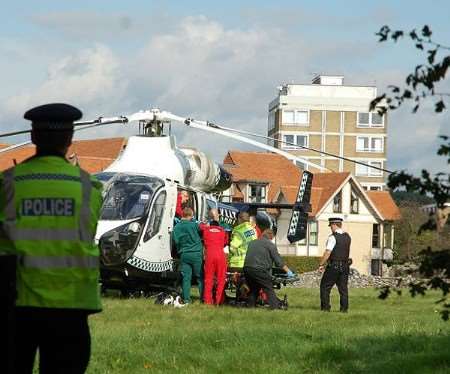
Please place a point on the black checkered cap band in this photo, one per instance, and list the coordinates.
(335, 220)
(52, 126)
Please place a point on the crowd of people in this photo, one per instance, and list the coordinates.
(206, 251)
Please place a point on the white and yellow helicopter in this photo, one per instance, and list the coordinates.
(140, 196)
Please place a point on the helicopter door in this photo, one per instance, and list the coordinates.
(168, 214)
(155, 245)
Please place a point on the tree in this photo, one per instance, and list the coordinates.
(422, 84)
(410, 240)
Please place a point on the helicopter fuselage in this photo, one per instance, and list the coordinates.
(138, 213)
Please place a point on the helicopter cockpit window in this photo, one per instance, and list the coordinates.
(128, 196)
(156, 216)
(104, 177)
(187, 199)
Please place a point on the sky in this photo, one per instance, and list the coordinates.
(217, 61)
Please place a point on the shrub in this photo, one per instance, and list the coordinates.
(301, 264)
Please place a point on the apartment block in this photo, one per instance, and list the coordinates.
(331, 118)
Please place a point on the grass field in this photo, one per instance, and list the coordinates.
(400, 335)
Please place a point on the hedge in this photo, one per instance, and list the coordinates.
(301, 264)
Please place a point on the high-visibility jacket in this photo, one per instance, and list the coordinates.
(48, 214)
(240, 237)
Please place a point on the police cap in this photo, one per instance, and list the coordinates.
(55, 116)
(334, 220)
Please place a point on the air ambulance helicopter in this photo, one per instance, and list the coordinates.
(140, 197)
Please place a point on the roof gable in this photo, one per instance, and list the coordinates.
(385, 204)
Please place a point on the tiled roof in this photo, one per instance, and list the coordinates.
(9, 158)
(324, 186)
(282, 176)
(385, 204)
(96, 155)
(92, 155)
(262, 167)
(103, 148)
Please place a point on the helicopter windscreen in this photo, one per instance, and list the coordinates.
(128, 196)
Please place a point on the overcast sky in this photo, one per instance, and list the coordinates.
(220, 62)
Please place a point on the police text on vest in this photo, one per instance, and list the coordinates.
(44, 206)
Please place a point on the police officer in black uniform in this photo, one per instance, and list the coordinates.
(337, 253)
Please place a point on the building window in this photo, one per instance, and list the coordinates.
(372, 187)
(301, 165)
(354, 202)
(295, 141)
(256, 193)
(271, 121)
(313, 233)
(271, 142)
(368, 171)
(337, 203)
(387, 235)
(369, 144)
(376, 236)
(376, 267)
(295, 117)
(372, 119)
(227, 195)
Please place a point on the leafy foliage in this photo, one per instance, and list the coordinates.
(421, 83)
(434, 265)
(401, 197)
(410, 238)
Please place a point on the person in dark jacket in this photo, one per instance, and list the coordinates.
(337, 254)
(261, 254)
(186, 236)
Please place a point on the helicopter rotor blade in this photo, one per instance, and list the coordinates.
(216, 129)
(87, 125)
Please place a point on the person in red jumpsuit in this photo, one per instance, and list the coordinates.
(182, 198)
(214, 240)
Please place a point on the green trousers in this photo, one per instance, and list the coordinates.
(191, 264)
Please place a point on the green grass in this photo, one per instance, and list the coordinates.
(399, 335)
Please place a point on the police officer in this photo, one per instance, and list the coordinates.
(337, 253)
(241, 236)
(49, 211)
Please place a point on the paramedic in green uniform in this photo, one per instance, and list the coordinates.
(186, 236)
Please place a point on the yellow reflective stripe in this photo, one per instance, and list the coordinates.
(15, 233)
(81, 233)
(85, 212)
(9, 190)
(59, 262)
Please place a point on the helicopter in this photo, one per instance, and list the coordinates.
(141, 189)
(138, 214)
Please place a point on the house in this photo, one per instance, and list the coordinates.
(369, 216)
(330, 116)
(92, 155)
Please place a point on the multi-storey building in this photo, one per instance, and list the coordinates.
(331, 117)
